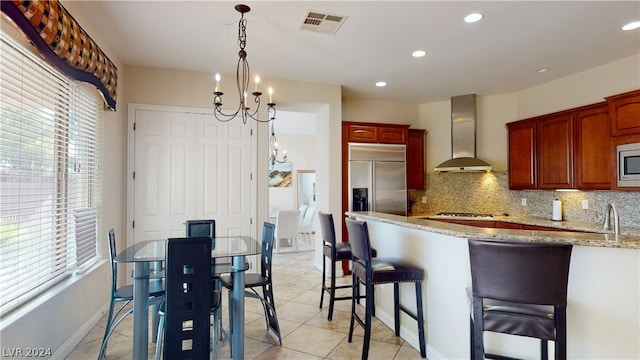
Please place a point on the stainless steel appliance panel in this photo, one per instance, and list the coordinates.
(379, 171)
(360, 177)
(377, 152)
(389, 182)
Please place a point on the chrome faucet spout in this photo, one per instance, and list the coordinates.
(611, 208)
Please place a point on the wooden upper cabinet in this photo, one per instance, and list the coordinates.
(592, 154)
(565, 150)
(624, 111)
(416, 177)
(554, 137)
(363, 133)
(522, 155)
(376, 133)
(392, 135)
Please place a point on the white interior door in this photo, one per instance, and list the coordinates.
(188, 165)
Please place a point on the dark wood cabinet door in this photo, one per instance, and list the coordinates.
(363, 133)
(522, 155)
(416, 177)
(555, 151)
(592, 159)
(624, 110)
(391, 135)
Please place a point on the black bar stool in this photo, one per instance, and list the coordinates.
(335, 252)
(519, 288)
(369, 272)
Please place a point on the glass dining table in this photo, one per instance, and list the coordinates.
(146, 253)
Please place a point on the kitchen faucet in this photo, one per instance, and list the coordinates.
(607, 219)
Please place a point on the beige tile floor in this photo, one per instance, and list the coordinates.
(306, 332)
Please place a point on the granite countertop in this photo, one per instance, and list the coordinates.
(593, 236)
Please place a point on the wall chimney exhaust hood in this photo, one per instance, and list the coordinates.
(463, 138)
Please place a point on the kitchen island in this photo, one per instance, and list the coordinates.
(603, 311)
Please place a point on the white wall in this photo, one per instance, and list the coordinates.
(380, 112)
(301, 152)
(587, 87)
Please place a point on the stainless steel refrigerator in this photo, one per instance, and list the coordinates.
(378, 178)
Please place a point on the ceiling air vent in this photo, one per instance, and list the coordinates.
(322, 23)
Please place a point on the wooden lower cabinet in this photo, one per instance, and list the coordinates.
(508, 225)
(502, 225)
(476, 223)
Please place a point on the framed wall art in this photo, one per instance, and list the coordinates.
(280, 174)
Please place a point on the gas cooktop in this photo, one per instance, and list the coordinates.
(463, 214)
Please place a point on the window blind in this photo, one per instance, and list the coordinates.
(85, 175)
(47, 148)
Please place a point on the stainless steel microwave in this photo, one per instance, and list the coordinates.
(628, 165)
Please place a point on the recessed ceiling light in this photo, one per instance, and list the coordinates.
(381, 84)
(471, 18)
(418, 53)
(542, 70)
(631, 26)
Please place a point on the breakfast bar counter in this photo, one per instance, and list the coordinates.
(576, 233)
(603, 311)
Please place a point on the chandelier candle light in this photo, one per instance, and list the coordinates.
(243, 74)
(273, 146)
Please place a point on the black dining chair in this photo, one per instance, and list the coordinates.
(207, 227)
(262, 280)
(197, 228)
(370, 271)
(519, 288)
(184, 331)
(123, 295)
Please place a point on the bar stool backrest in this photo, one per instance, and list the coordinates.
(327, 227)
(360, 244)
(520, 272)
(188, 298)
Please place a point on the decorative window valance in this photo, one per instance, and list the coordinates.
(59, 38)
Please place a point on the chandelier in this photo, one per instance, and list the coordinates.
(243, 75)
(273, 147)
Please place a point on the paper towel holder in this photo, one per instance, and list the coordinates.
(556, 213)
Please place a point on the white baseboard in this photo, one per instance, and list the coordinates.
(66, 348)
(408, 336)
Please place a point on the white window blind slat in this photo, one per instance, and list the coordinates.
(50, 151)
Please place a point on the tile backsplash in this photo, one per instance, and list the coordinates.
(489, 193)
